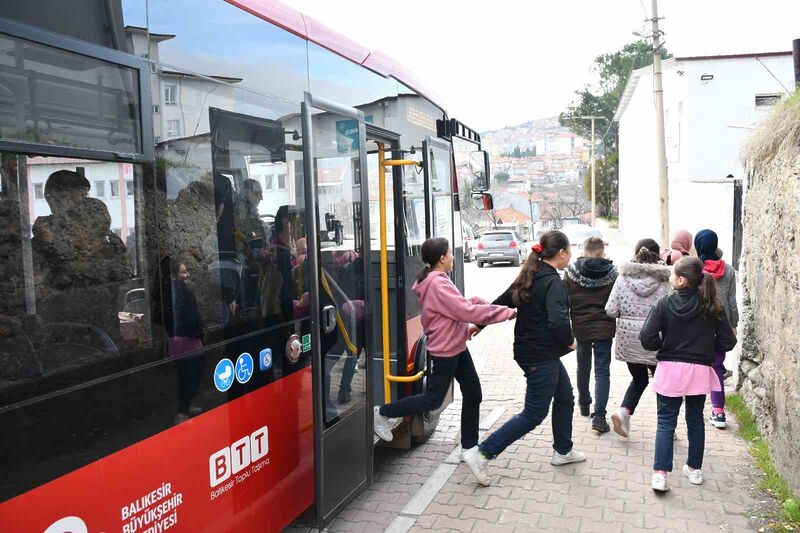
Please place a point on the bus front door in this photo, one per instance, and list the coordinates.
(338, 267)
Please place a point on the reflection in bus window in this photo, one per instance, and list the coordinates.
(374, 203)
(441, 190)
(232, 214)
(74, 294)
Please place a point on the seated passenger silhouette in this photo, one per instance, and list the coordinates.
(81, 272)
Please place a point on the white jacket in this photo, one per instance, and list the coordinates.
(637, 289)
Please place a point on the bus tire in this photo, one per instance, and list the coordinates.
(480, 264)
(422, 425)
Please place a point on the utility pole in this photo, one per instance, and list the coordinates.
(658, 93)
(594, 203)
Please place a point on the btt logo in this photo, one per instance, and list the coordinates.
(232, 460)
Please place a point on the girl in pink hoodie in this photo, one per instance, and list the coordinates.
(446, 319)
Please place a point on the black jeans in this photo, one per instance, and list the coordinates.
(546, 381)
(443, 370)
(641, 378)
(668, 410)
(602, 374)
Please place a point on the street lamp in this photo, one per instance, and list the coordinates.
(594, 204)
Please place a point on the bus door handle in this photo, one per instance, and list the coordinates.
(328, 318)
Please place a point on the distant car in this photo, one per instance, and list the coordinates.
(577, 234)
(571, 221)
(470, 241)
(501, 246)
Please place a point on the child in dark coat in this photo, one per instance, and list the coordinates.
(589, 281)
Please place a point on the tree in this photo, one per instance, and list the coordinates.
(502, 178)
(568, 201)
(602, 99)
(607, 188)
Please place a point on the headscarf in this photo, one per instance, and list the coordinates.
(705, 242)
(679, 247)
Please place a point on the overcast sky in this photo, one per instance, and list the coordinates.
(509, 61)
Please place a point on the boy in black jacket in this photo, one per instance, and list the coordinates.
(589, 281)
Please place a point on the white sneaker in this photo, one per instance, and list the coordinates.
(382, 425)
(571, 457)
(622, 422)
(695, 476)
(659, 482)
(478, 464)
(463, 451)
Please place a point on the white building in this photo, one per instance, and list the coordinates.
(711, 106)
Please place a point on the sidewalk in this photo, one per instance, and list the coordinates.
(610, 492)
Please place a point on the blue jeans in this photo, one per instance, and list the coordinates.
(546, 381)
(668, 409)
(602, 374)
(443, 370)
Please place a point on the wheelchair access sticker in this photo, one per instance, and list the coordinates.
(244, 368)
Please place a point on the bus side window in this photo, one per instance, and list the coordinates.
(74, 303)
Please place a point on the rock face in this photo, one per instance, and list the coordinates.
(770, 360)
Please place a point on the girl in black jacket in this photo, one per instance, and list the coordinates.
(686, 328)
(542, 335)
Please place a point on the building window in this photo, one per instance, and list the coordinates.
(156, 109)
(100, 189)
(129, 187)
(268, 180)
(281, 182)
(114, 188)
(764, 100)
(170, 95)
(38, 191)
(173, 128)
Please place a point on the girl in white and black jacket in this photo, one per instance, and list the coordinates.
(640, 285)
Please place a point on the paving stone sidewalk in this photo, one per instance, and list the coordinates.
(610, 492)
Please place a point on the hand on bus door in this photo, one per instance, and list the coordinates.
(473, 330)
(513, 314)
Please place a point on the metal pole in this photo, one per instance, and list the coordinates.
(594, 204)
(796, 55)
(658, 93)
(592, 156)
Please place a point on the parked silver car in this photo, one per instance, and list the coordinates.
(501, 246)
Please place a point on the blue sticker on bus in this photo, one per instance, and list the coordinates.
(223, 375)
(244, 368)
(265, 359)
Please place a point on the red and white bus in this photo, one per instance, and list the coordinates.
(210, 219)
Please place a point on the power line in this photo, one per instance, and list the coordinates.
(773, 75)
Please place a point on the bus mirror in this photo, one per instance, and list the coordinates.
(482, 201)
(479, 168)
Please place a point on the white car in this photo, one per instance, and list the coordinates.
(577, 234)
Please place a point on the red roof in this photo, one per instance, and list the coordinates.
(509, 215)
(307, 28)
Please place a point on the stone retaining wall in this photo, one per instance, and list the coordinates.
(769, 377)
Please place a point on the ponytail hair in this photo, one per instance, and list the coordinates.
(550, 243)
(646, 251)
(691, 268)
(432, 250)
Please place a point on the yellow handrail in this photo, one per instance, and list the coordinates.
(387, 376)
